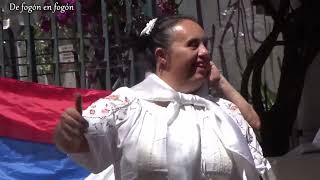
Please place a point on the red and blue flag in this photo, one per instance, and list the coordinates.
(28, 115)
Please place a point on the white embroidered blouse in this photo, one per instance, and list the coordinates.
(194, 137)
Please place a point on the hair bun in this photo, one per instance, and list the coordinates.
(142, 43)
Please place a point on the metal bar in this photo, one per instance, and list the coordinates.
(150, 8)
(39, 64)
(154, 8)
(131, 77)
(2, 67)
(132, 69)
(129, 16)
(49, 39)
(69, 71)
(63, 72)
(54, 35)
(81, 46)
(219, 13)
(31, 58)
(116, 84)
(12, 47)
(199, 12)
(116, 26)
(106, 42)
(43, 54)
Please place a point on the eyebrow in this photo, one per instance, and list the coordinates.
(206, 38)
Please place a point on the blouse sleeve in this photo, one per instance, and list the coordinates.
(261, 163)
(106, 117)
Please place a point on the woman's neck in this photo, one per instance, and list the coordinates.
(176, 84)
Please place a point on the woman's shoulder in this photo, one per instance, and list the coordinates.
(118, 100)
(233, 111)
(227, 106)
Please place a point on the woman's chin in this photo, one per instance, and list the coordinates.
(200, 76)
(202, 72)
(195, 84)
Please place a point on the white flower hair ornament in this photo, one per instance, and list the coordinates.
(147, 30)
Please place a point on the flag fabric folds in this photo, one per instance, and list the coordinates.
(28, 115)
(25, 160)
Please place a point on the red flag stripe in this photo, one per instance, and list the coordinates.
(30, 111)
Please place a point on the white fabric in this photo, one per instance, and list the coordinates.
(182, 140)
(106, 174)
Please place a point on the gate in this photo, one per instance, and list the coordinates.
(86, 46)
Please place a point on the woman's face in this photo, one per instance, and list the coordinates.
(187, 58)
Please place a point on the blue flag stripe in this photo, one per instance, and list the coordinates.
(34, 161)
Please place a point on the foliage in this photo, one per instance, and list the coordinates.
(300, 41)
(119, 29)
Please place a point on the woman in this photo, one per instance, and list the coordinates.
(167, 126)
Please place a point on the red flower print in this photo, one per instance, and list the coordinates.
(232, 107)
(105, 111)
(113, 97)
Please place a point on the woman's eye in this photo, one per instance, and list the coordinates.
(193, 44)
(205, 43)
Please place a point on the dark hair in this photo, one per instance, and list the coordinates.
(159, 36)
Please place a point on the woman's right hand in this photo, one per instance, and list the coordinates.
(214, 76)
(69, 132)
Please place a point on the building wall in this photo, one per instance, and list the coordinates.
(308, 118)
(246, 43)
(308, 113)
